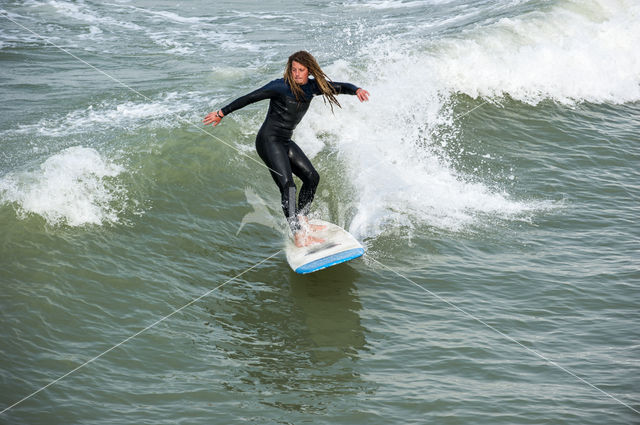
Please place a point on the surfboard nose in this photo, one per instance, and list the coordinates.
(339, 246)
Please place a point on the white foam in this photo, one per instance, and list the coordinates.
(11, 38)
(94, 33)
(74, 187)
(231, 45)
(386, 4)
(81, 12)
(169, 41)
(394, 161)
(163, 16)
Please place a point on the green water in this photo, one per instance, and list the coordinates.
(496, 196)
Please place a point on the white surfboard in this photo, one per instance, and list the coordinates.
(338, 246)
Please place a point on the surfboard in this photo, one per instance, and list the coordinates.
(338, 246)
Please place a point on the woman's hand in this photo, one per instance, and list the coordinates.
(213, 117)
(362, 94)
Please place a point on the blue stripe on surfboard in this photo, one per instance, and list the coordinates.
(330, 260)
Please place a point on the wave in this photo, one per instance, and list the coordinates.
(573, 52)
(110, 115)
(398, 172)
(74, 187)
(394, 148)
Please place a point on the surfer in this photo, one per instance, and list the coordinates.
(290, 98)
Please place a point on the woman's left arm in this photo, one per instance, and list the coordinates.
(348, 88)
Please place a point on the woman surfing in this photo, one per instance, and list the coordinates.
(290, 98)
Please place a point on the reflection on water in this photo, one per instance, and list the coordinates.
(329, 305)
(293, 340)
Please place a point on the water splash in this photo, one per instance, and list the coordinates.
(74, 187)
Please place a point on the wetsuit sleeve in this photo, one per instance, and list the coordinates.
(344, 88)
(266, 92)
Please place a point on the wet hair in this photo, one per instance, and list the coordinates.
(306, 59)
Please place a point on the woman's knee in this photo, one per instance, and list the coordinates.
(285, 184)
(312, 178)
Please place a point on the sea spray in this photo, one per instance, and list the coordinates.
(394, 147)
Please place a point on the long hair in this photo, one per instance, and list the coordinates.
(306, 59)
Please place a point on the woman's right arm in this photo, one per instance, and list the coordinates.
(262, 93)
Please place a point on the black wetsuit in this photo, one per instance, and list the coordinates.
(274, 144)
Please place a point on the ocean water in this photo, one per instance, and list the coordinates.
(493, 179)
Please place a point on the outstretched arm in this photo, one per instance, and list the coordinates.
(348, 88)
(262, 93)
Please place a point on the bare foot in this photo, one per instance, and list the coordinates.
(302, 238)
(313, 227)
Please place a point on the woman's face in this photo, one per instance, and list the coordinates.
(300, 73)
